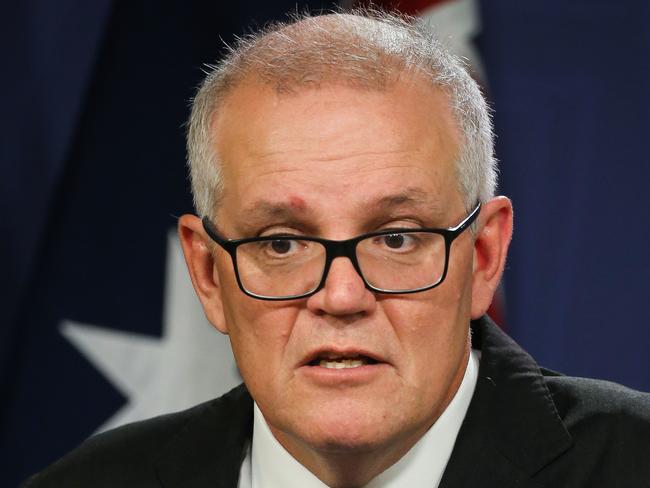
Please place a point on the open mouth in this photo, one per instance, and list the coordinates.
(334, 361)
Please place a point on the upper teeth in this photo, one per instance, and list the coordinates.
(341, 363)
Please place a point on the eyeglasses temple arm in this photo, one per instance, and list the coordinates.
(468, 220)
(211, 230)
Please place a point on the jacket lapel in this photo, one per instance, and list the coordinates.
(512, 428)
(208, 451)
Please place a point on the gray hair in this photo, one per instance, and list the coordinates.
(363, 49)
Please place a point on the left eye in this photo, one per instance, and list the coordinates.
(397, 242)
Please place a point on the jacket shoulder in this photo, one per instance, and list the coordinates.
(597, 402)
(126, 456)
(610, 429)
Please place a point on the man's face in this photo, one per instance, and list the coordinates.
(336, 162)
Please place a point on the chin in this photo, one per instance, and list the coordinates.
(348, 430)
(348, 441)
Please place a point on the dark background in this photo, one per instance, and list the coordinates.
(94, 96)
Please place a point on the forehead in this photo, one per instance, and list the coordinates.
(337, 145)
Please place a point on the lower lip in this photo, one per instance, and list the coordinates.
(344, 376)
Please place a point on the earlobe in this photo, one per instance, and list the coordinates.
(201, 265)
(490, 252)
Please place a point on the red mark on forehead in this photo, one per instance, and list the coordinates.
(296, 203)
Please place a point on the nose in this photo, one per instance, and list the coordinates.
(344, 292)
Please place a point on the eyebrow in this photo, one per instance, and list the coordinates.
(409, 196)
(296, 214)
(264, 209)
(262, 212)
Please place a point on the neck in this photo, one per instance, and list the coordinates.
(347, 468)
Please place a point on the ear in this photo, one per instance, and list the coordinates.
(490, 250)
(201, 265)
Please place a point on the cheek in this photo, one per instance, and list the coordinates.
(259, 332)
(430, 315)
(432, 327)
(248, 319)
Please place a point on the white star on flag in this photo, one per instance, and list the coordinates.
(189, 364)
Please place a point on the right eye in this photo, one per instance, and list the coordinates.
(282, 246)
(394, 241)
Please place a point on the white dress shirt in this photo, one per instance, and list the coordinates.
(269, 465)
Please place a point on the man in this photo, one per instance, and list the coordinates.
(342, 166)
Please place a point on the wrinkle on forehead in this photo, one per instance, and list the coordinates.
(343, 167)
(318, 156)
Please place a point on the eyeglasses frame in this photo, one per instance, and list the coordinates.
(335, 249)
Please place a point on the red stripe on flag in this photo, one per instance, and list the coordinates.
(410, 7)
(497, 310)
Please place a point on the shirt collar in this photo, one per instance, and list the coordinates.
(268, 464)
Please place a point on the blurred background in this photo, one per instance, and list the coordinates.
(98, 322)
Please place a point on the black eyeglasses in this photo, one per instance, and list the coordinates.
(392, 261)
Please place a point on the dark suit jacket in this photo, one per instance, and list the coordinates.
(525, 427)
